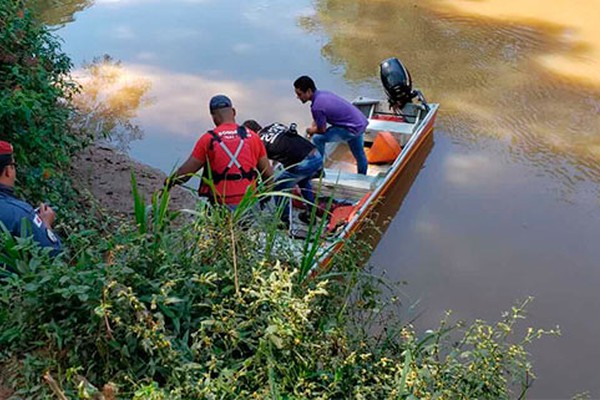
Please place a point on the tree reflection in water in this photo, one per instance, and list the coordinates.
(109, 100)
(485, 73)
(57, 12)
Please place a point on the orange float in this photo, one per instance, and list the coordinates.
(385, 149)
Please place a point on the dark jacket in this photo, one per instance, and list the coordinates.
(284, 145)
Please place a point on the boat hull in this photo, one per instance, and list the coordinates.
(374, 221)
(381, 205)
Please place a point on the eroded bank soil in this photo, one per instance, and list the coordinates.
(106, 173)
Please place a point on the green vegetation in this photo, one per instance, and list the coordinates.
(198, 312)
(200, 304)
(35, 102)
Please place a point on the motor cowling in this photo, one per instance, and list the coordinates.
(397, 82)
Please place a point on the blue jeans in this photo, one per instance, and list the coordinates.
(299, 174)
(339, 134)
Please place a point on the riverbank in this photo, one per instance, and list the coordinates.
(105, 173)
(208, 308)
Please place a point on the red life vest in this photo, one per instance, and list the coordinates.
(231, 172)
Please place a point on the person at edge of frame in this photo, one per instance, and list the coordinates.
(17, 216)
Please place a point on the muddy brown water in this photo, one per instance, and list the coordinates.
(507, 203)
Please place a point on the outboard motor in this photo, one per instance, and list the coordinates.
(397, 83)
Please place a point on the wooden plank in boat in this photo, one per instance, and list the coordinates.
(349, 166)
(346, 185)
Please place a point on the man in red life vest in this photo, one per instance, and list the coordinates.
(232, 157)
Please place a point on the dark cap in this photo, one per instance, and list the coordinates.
(219, 101)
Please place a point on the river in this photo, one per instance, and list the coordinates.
(507, 204)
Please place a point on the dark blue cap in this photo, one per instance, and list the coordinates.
(219, 101)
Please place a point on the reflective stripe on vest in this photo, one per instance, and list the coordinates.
(233, 157)
(225, 175)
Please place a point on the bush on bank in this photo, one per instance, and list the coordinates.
(35, 93)
(207, 309)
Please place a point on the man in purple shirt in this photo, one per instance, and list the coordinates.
(346, 122)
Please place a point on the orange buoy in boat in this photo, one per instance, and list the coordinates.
(385, 149)
(343, 214)
(339, 216)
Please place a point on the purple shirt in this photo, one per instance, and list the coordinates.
(329, 108)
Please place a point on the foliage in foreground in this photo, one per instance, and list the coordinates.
(198, 312)
(35, 94)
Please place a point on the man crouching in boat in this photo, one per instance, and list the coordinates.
(232, 155)
(334, 120)
(300, 159)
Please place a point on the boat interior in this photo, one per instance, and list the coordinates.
(341, 180)
(386, 136)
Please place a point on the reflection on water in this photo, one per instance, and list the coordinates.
(58, 12)
(181, 100)
(576, 28)
(485, 73)
(507, 205)
(109, 100)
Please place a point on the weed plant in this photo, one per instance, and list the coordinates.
(35, 94)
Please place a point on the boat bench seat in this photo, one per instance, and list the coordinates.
(345, 185)
(390, 126)
(401, 131)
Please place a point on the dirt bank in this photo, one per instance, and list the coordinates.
(106, 173)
